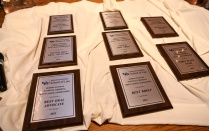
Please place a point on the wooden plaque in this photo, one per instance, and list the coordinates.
(158, 27)
(54, 101)
(138, 89)
(59, 24)
(113, 20)
(183, 60)
(121, 45)
(58, 52)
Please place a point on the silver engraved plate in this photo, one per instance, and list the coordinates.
(121, 43)
(58, 50)
(60, 23)
(158, 25)
(139, 87)
(184, 59)
(54, 98)
(113, 19)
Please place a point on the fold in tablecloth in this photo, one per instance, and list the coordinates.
(21, 39)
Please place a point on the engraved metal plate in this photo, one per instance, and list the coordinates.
(54, 98)
(183, 60)
(58, 51)
(158, 27)
(60, 24)
(121, 45)
(54, 101)
(113, 20)
(138, 89)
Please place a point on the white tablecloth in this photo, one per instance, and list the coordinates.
(21, 39)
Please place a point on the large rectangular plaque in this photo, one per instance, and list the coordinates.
(58, 51)
(158, 27)
(121, 45)
(138, 89)
(59, 24)
(183, 60)
(113, 20)
(54, 101)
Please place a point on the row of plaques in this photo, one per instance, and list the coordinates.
(55, 97)
(181, 58)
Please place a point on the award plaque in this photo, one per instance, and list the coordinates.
(138, 89)
(59, 24)
(54, 101)
(158, 27)
(183, 60)
(121, 45)
(58, 51)
(113, 20)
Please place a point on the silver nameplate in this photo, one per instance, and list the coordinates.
(58, 50)
(121, 43)
(159, 25)
(113, 19)
(139, 86)
(184, 59)
(54, 98)
(60, 23)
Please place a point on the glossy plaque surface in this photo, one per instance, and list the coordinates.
(183, 60)
(113, 20)
(59, 24)
(121, 45)
(138, 89)
(158, 27)
(58, 51)
(54, 101)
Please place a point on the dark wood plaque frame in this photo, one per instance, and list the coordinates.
(174, 34)
(115, 27)
(62, 31)
(138, 110)
(174, 69)
(52, 124)
(58, 64)
(122, 56)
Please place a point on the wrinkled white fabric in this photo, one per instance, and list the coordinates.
(187, 100)
(21, 39)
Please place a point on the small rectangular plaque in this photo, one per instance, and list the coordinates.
(158, 27)
(59, 24)
(183, 60)
(113, 20)
(54, 101)
(58, 51)
(121, 45)
(138, 89)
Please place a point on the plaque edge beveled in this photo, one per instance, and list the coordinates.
(114, 27)
(174, 69)
(63, 31)
(58, 64)
(74, 121)
(175, 34)
(123, 56)
(138, 110)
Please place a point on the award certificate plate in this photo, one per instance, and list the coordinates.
(158, 27)
(113, 20)
(58, 51)
(59, 24)
(183, 60)
(121, 45)
(138, 89)
(54, 101)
